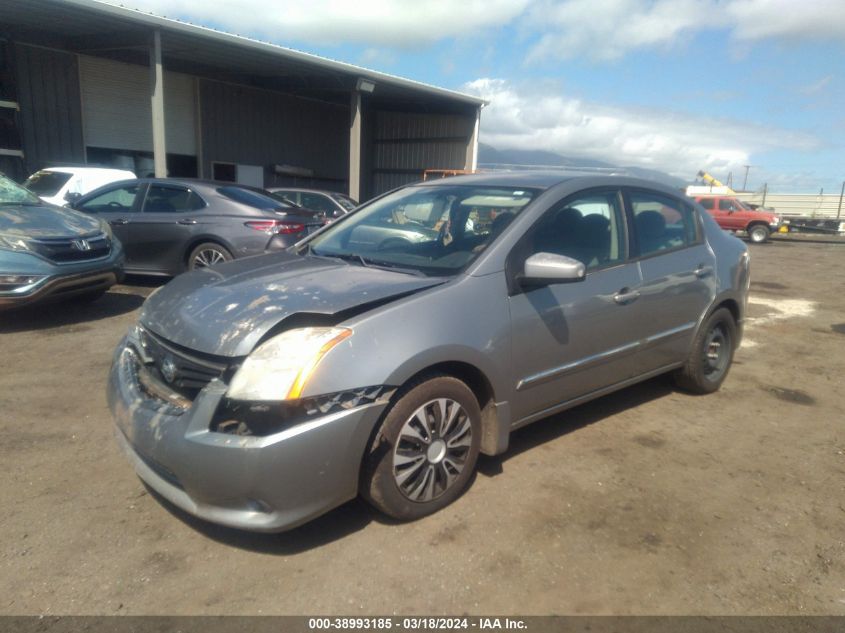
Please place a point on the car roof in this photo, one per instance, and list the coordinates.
(327, 192)
(198, 183)
(546, 179)
(87, 170)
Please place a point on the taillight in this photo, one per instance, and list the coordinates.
(274, 227)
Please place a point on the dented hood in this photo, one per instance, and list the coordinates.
(226, 310)
(45, 220)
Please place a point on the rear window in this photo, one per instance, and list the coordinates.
(47, 183)
(251, 198)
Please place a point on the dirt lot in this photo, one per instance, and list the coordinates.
(648, 501)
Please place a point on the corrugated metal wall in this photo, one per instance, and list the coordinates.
(117, 111)
(405, 144)
(50, 115)
(824, 206)
(257, 127)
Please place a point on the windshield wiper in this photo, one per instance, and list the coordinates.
(348, 257)
(368, 263)
(393, 267)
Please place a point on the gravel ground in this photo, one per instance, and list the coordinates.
(649, 501)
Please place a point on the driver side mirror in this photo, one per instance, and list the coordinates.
(548, 268)
(72, 197)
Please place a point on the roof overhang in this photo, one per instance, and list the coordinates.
(106, 30)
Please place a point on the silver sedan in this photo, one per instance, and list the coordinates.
(260, 395)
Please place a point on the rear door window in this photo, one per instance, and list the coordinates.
(162, 199)
(662, 223)
(707, 203)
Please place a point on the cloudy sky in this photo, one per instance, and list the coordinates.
(676, 85)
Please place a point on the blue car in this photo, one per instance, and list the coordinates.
(49, 252)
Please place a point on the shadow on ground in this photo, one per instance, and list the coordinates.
(120, 299)
(357, 514)
(561, 424)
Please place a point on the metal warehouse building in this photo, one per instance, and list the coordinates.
(83, 82)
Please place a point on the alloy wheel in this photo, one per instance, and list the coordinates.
(208, 257)
(432, 449)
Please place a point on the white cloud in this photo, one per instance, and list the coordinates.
(377, 57)
(610, 29)
(396, 23)
(790, 19)
(676, 143)
(555, 29)
(816, 86)
(607, 30)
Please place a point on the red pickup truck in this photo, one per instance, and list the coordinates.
(734, 215)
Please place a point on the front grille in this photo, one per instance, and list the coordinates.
(64, 250)
(184, 372)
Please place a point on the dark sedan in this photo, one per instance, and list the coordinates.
(168, 226)
(333, 204)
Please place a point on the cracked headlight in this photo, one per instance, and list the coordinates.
(279, 368)
(13, 243)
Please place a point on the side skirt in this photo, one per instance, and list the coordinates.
(598, 393)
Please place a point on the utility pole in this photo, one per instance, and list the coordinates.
(839, 210)
(745, 180)
(765, 191)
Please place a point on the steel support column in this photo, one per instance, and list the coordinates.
(472, 147)
(157, 106)
(355, 146)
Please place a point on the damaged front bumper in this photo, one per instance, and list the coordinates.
(264, 483)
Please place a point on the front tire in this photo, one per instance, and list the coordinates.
(423, 456)
(208, 254)
(711, 356)
(758, 234)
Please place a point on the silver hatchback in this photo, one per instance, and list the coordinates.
(262, 393)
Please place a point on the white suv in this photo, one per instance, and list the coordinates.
(61, 185)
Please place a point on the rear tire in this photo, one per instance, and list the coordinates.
(208, 254)
(711, 355)
(758, 233)
(423, 457)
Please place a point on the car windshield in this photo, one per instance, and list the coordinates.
(47, 183)
(12, 193)
(345, 201)
(433, 230)
(281, 196)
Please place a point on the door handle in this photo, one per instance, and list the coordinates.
(187, 221)
(703, 271)
(118, 221)
(625, 296)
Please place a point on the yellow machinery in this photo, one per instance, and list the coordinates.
(713, 182)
